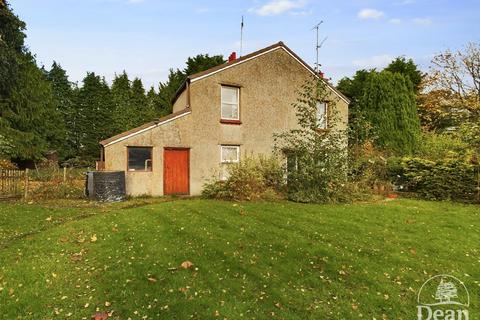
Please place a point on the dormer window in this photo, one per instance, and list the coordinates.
(322, 111)
(230, 109)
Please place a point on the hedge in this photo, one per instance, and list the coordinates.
(447, 179)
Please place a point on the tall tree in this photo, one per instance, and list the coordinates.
(408, 68)
(28, 114)
(451, 90)
(354, 89)
(124, 111)
(389, 106)
(145, 111)
(63, 94)
(95, 105)
(12, 39)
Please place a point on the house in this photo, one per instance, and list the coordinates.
(218, 116)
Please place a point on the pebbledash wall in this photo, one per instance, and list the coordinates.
(269, 84)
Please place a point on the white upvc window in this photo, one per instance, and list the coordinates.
(229, 154)
(230, 109)
(322, 112)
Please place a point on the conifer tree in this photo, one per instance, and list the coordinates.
(143, 110)
(121, 95)
(95, 122)
(389, 106)
(63, 94)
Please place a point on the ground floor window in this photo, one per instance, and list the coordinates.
(229, 154)
(139, 158)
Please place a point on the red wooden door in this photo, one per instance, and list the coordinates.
(176, 163)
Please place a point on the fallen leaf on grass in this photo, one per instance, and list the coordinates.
(100, 316)
(93, 238)
(152, 279)
(186, 264)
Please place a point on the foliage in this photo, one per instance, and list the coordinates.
(32, 121)
(368, 170)
(250, 258)
(57, 189)
(446, 179)
(316, 159)
(388, 104)
(12, 38)
(407, 68)
(436, 146)
(250, 179)
(64, 96)
(95, 109)
(354, 89)
(451, 91)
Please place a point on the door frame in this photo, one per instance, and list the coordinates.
(188, 169)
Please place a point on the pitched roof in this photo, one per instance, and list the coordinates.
(145, 127)
(278, 45)
(200, 75)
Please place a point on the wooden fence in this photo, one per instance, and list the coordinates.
(13, 183)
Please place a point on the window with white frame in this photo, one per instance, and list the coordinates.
(322, 111)
(229, 154)
(230, 103)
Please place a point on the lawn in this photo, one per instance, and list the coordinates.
(255, 260)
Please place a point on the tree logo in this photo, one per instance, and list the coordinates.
(443, 297)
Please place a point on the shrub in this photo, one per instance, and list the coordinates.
(436, 146)
(57, 189)
(252, 178)
(446, 179)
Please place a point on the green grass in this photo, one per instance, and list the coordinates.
(254, 260)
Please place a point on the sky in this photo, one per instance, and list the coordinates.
(147, 37)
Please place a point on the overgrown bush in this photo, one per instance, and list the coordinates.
(57, 189)
(316, 154)
(446, 179)
(368, 170)
(436, 146)
(250, 179)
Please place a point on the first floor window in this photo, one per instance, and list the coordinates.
(139, 158)
(228, 155)
(322, 115)
(230, 103)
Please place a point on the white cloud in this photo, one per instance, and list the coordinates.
(395, 21)
(378, 61)
(275, 7)
(422, 21)
(370, 14)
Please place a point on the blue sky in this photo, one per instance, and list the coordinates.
(147, 37)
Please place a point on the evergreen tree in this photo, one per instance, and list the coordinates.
(168, 89)
(12, 38)
(63, 94)
(354, 89)
(95, 122)
(389, 106)
(34, 124)
(29, 118)
(144, 111)
(121, 94)
(153, 102)
(408, 68)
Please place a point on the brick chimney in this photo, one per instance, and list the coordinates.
(232, 57)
